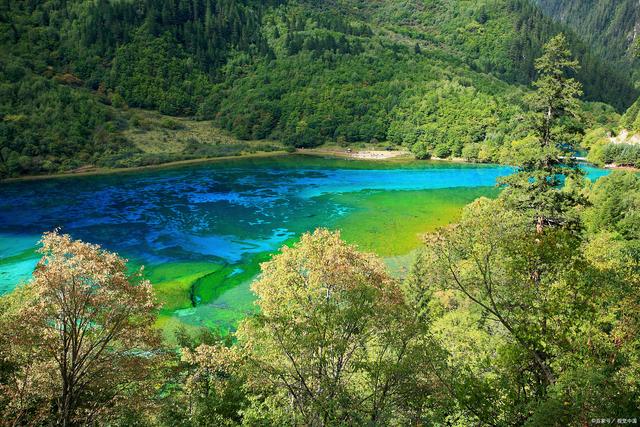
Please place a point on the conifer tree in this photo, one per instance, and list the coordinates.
(545, 157)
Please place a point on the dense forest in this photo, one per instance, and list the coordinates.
(609, 27)
(441, 78)
(523, 313)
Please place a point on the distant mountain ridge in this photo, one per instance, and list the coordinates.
(611, 27)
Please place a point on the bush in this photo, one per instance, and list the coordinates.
(471, 152)
(442, 151)
(171, 124)
(421, 152)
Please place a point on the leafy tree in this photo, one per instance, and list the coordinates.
(334, 341)
(203, 384)
(78, 338)
(215, 385)
(530, 320)
(615, 207)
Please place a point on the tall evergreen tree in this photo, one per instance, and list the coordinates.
(545, 157)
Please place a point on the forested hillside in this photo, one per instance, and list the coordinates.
(436, 77)
(611, 30)
(610, 27)
(618, 146)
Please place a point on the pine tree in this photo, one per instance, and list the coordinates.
(545, 157)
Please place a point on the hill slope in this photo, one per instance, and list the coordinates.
(435, 76)
(610, 27)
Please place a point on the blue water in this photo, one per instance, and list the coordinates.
(220, 212)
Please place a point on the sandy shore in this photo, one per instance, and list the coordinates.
(613, 166)
(379, 155)
(357, 154)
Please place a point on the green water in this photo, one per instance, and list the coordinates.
(202, 231)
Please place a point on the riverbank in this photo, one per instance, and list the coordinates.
(88, 170)
(613, 166)
(322, 151)
(328, 151)
(363, 154)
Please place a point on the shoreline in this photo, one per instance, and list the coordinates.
(365, 154)
(389, 156)
(614, 167)
(320, 151)
(112, 171)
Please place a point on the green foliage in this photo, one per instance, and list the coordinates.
(334, 340)
(615, 207)
(596, 137)
(207, 30)
(542, 309)
(625, 151)
(606, 26)
(498, 37)
(531, 320)
(48, 123)
(154, 73)
(544, 157)
(618, 154)
(448, 116)
(598, 114)
(78, 339)
(631, 118)
(300, 72)
(621, 150)
(46, 127)
(61, 62)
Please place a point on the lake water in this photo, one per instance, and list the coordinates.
(201, 231)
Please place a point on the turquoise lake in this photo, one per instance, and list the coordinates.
(202, 230)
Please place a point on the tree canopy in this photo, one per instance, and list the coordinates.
(299, 72)
(77, 340)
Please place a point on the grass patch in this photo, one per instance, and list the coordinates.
(155, 134)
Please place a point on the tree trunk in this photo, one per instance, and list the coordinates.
(539, 224)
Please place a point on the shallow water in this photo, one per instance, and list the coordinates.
(207, 227)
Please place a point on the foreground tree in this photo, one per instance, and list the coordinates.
(78, 338)
(536, 324)
(544, 158)
(215, 386)
(206, 383)
(615, 201)
(334, 342)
